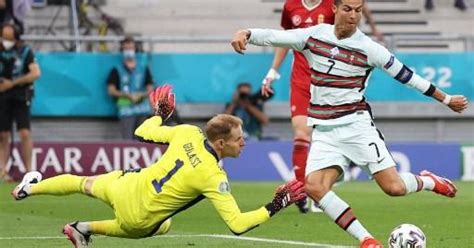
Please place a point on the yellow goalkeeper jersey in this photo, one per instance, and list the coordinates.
(186, 173)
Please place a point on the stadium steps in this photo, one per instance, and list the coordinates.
(216, 18)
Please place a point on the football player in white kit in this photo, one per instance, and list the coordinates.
(341, 60)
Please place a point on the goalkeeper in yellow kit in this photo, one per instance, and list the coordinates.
(144, 200)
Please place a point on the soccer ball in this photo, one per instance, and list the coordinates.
(407, 236)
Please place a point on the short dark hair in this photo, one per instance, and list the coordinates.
(244, 84)
(17, 30)
(337, 2)
(127, 39)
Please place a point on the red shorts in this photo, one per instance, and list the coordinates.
(299, 98)
(299, 86)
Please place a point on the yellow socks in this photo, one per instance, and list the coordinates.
(108, 228)
(59, 185)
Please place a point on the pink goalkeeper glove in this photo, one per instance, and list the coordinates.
(163, 101)
(285, 195)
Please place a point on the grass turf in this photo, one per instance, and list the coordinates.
(38, 221)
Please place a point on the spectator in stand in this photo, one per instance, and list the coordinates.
(129, 83)
(249, 108)
(459, 4)
(18, 71)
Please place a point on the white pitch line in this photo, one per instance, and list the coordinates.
(33, 237)
(221, 236)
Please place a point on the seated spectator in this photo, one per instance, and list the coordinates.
(248, 107)
(129, 83)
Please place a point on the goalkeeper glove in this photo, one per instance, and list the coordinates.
(163, 101)
(285, 195)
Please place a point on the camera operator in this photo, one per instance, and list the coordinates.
(249, 107)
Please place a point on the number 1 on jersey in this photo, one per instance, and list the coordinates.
(159, 184)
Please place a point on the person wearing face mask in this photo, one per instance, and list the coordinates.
(18, 71)
(129, 83)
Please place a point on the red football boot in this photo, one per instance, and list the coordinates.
(370, 243)
(443, 186)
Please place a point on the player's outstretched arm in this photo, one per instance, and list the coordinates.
(162, 101)
(457, 103)
(239, 222)
(294, 39)
(379, 56)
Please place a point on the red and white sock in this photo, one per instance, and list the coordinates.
(415, 183)
(300, 155)
(339, 211)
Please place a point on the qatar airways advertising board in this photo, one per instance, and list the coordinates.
(260, 161)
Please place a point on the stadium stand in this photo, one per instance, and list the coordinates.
(406, 24)
(402, 18)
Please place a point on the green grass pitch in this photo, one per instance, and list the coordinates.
(38, 221)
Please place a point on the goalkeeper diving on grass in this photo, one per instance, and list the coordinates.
(144, 200)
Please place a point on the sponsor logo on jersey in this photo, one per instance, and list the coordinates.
(320, 18)
(224, 187)
(334, 52)
(308, 20)
(296, 20)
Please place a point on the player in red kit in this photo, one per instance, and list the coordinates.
(302, 14)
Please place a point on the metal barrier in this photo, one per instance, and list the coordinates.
(392, 41)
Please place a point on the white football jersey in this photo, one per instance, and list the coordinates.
(340, 69)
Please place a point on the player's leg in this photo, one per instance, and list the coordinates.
(4, 154)
(79, 233)
(400, 184)
(103, 227)
(5, 134)
(26, 145)
(299, 100)
(370, 150)
(67, 184)
(324, 168)
(22, 117)
(59, 185)
(318, 187)
(301, 143)
(366, 148)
